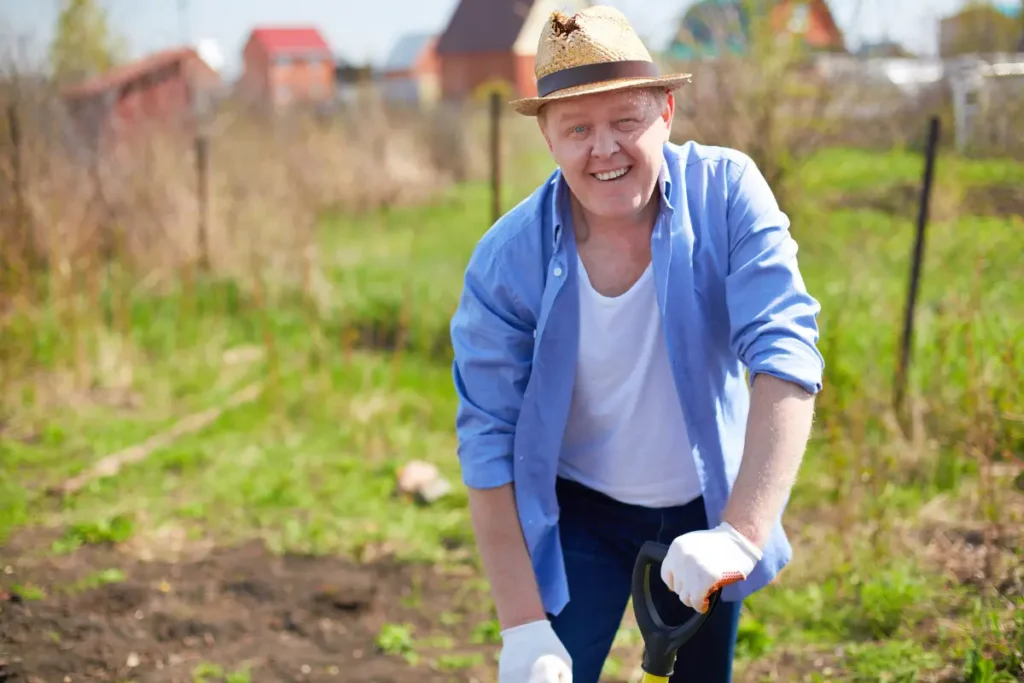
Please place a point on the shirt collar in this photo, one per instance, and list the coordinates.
(560, 213)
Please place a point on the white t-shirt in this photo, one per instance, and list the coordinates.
(626, 436)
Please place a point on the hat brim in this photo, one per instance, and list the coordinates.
(530, 106)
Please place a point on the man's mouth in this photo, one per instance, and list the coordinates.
(606, 176)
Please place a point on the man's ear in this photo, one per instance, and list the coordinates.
(542, 124)
(669, 110)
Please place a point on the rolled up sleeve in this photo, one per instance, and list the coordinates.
(493, 346)
(772, 317)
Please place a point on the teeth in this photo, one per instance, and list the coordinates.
(611, 175)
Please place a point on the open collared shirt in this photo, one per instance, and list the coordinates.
(733, 305)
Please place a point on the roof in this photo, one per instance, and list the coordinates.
(835, 35)
(289, 39)
(123, 74)
(406, 51)
(484, 26)
(882, 49)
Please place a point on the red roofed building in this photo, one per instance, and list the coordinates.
(166, 88)
(288, 64)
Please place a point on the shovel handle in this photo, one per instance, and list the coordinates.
(661, 641)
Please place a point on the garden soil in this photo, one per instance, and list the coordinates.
(281, 618)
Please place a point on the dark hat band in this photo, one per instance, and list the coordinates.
(594, 73)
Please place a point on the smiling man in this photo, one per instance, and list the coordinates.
(635, 360)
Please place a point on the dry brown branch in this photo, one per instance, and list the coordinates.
(110, 465)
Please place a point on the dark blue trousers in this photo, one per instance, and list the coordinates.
(601, 538)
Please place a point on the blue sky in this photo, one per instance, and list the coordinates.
(365, 29)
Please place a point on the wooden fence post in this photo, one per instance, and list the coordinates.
(21, 235)
(202, 197)
(495, 112)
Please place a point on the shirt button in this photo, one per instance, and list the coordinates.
(558, 272)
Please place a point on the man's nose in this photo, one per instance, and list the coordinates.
(605, 142)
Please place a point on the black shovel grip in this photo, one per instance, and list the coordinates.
(661, 641)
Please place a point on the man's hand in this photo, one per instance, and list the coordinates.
(532, 653)
(701, 562)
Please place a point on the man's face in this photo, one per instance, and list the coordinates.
(609, 147)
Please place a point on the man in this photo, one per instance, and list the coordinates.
(600, 345)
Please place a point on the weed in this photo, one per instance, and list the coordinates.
(459, 662)
(116, 529)
(487, 632)
(395, 639)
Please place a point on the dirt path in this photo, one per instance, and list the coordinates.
(281, 618)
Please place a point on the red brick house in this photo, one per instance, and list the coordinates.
(288, 65)
(166, 88)
(490, 41)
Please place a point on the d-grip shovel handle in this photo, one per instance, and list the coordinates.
(661, 641)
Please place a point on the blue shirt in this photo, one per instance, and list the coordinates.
(733, 304)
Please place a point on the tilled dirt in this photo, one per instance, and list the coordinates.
(291, 618)
(299, 618)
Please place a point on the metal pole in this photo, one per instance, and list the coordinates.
(915, 271)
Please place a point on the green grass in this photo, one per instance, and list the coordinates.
(325, 441)
(847, 170)
(311, 465)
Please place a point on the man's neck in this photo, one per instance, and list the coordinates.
(588, 226)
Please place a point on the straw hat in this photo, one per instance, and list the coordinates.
(595, 50)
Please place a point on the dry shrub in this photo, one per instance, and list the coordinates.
(869, 113)
(137, 198)
(770, 102)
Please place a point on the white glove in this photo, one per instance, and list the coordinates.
(532, 653)
(700, 562)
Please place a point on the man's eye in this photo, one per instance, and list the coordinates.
(579, 130)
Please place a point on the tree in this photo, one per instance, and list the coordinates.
(980, 27)
(83, 43)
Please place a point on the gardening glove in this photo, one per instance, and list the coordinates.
(532, 653)
(699, 563)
